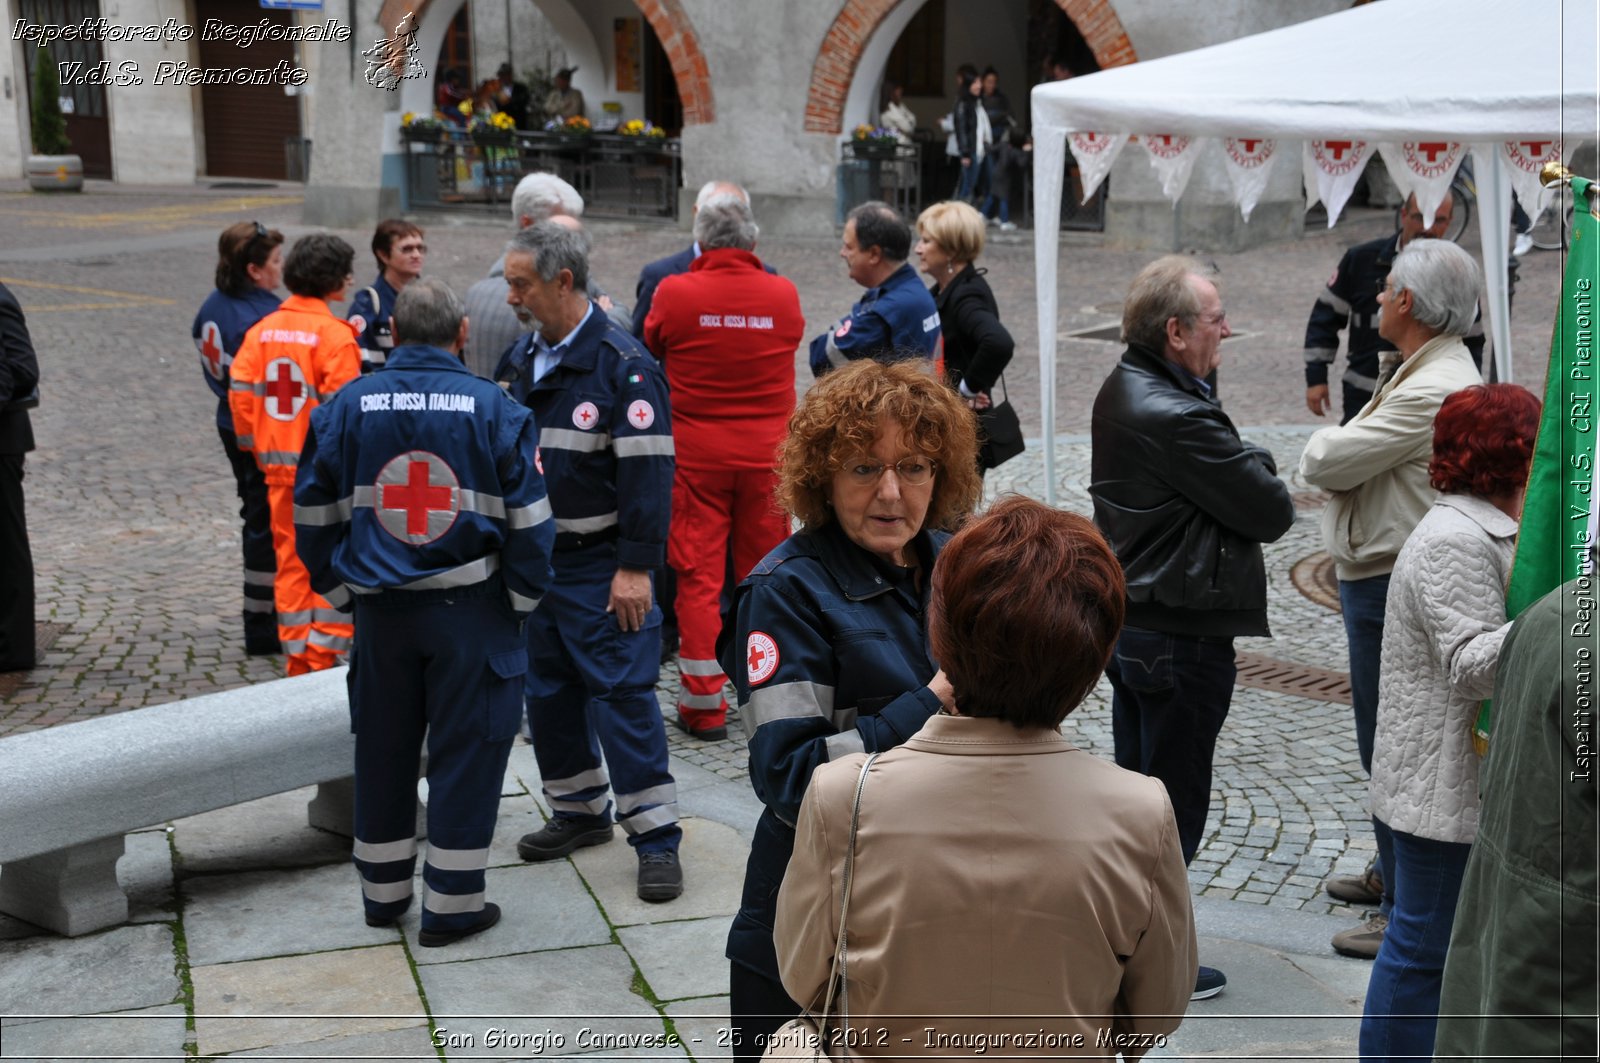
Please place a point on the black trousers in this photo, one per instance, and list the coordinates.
(260, 563)
(757, 1006)
(16, 571)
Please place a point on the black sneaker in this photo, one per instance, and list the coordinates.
(562, 835)
(432, 939)
(660, 877)
(1208, 983)
(714, 733)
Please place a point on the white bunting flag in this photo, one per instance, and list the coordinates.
(1095, 153)
(1173, 158)
(1423, 168)
(1332, 168)
(1524, 159)
(1249, 162)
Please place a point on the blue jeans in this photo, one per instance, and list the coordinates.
(1362, 602)
(1005, 206)
(1402, 1008)
(974, 178)
(1170, 695)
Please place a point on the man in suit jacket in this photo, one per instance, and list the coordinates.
(19, 391)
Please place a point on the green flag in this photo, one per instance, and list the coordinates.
(1555, 534)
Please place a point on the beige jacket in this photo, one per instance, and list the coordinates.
(1376, 466)
(1006, 883)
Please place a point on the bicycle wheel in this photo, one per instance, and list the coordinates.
(1460, 215)
(1551, 227)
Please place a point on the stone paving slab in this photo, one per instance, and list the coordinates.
(269, 832)
(682, 959)
(702, 1024)
(251, 916)
(159, 1032)
(412, 1042)
(713, 857)
(543, 906)
(122, 969)
(291, 1000)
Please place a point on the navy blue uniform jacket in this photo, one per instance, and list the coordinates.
(895, 320)
(218, 331)
(831, 658)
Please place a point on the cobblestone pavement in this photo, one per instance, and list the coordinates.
(134, 528)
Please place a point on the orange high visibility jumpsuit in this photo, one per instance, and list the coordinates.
(290, 361)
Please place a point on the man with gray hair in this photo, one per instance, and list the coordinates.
(419, 489)
(1376, 468)
(653, 273)
(1186, 505)
(726, 332)
(496, 325)
(594, 647)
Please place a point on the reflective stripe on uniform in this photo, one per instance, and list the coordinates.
(522, 603)
(844, 744)
(696, 666)
(322, 516)
(572, 439)
(336, 643)
(258, 605)
(373, 356)
(328, 616)
(301, 616)
(384, 852)
(339, 597)
(278, 457)
(583, 808)
(787, 701)
(650, 819)
(257, 578)
(385, 892)
(1358, 380)
(1321, 354)
(528, 516)
(666, 793)
(844, 719)
(452, 903)
(292, 646)
(644, 447)
(1339, 305)
(245, 443)
(259, 388)
(700, 701)
(587, 525)
(836, 357)
(457, 859)
(460, 576)
(584, 780)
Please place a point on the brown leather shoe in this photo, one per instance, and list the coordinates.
(1363, 889)
(1362, 941)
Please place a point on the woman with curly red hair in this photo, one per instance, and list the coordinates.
(1446, 619)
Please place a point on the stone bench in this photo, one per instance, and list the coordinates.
(68, 794)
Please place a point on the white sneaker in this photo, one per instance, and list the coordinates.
(1008, 226)
(1523, 245)
(990, 221)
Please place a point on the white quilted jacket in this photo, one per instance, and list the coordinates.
(1442, 630)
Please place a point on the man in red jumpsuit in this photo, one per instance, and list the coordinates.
(726, 331)
(290, 362)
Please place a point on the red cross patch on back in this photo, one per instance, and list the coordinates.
(286, 390)
(417, 497)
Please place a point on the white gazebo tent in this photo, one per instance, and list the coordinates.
(1474, 73)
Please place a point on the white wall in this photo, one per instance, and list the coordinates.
(153, 127)
(13, 99)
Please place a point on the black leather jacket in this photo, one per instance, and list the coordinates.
(977, 346)
(1184, 502)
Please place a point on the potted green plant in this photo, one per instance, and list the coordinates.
(51, 167)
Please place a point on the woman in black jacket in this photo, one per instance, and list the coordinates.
(976, 345)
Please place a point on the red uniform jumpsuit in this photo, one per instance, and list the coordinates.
(726, 332)
(292, 360)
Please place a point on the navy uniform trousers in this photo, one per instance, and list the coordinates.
(448, 664)
(591, 687)
(260, 562)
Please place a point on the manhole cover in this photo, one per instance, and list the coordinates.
(44, 636)
(1316, 578)
(1266, 673)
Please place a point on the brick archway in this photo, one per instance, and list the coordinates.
(671, 24)
(840, 53)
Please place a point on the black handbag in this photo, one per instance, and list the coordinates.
(999, 432)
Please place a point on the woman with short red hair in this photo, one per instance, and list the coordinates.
(1446, 619)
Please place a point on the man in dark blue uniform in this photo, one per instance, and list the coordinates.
(595, 647)
(19, 392)
(1351, 298)
(419, 490)
(896, 317)
(398, 247)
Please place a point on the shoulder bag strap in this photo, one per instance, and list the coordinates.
(838, 974)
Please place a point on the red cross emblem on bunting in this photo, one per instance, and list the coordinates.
(418, 497)
(1431, 158)
(212, 355)
(286, 390)
(760, 657)
(1530, 155)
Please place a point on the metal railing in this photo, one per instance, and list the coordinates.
(617, 176)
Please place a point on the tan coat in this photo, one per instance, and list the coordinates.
(1001, 874)
(1377, 465)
